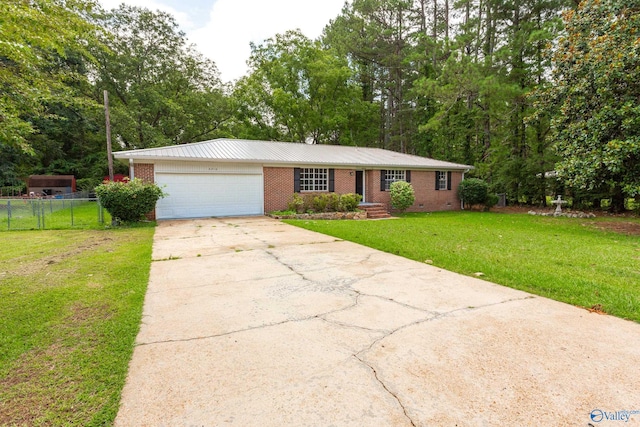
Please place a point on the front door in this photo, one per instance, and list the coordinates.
(360, 183)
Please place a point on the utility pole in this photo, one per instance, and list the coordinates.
(108, 120)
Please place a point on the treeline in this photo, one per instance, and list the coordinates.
(520, 89)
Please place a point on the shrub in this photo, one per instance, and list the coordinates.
(297, 204)
(320, 203)
(473, 191)
(492, 200)
(333, 202)
(13, 190)
(349, 202)
(87, 184)
(129, 201)
(324, 202)
(402, 195)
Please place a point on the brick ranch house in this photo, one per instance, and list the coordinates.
(227, 177)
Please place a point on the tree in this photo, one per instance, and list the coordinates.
(380, 39)
(162, 90)
(594, 98)
(34, 36)
(298, 91)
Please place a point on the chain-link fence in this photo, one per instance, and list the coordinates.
(40, 214)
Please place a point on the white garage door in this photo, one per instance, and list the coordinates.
(208, 195)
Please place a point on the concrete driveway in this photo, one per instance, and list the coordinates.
(252, 322)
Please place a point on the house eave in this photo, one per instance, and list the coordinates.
(361, 166)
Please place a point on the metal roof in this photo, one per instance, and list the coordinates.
(287, 153)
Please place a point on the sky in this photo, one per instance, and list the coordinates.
(223, 29)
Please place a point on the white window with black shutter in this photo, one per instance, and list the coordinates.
(313, 180)
(443, 180)
(388, 177)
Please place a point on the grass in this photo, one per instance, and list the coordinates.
(52, 214)
(70, 304)
(566, 259)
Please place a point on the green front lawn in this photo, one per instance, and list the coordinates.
(570, 260)
(70, 304)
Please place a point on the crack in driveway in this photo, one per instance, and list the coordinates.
(384, 386)
(344, 286)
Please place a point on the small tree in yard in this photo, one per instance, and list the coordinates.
(474, 191)
(402, 195)
(129, 201)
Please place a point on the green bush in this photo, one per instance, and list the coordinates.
(492, 200)
(129, 201)
(324, 202)
(333, 202)
(13, 190)
(297, 203)
(473, 191)
(349, 202)
(320, 203)
(402, 195)
(87, 184)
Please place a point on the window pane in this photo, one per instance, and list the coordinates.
(312, 179)
(442, 180)
(392, 176)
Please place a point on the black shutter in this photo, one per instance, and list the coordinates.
(296, 180)
(383, 176)
(332, 180)
(449, 180)
(407, 176)
(437, 186)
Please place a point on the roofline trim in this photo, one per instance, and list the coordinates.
(154, 159)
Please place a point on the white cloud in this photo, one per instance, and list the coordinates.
(232, 24)
(235, 23)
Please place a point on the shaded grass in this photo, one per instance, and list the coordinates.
(567, 259)
(70, 304)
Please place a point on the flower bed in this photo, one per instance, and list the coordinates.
(323, 215)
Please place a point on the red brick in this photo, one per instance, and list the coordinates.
(145, 172)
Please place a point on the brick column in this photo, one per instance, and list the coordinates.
(145, 172)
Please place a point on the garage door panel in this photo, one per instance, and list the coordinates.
(206, 195)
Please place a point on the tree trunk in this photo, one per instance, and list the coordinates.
(617, 200)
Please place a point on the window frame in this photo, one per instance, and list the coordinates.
(443, 180)
(314, 180)
(393, 175)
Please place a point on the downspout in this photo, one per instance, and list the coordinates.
(462, 201)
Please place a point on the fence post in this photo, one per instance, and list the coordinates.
(8, 214)
(42, 208)
(100, 213)
(71, 207)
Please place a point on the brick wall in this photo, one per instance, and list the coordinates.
(278, 188)
(145, 172)
(428, 199)
(344, 181)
